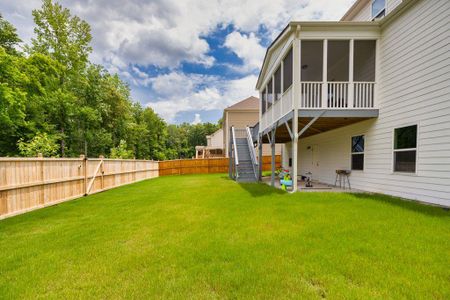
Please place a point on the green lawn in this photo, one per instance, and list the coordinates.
(207, 237)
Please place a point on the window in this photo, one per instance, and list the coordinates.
(277, 81)
(378, 8)
(263, 101)
(358, 152)
(287, 71)
(405, 149)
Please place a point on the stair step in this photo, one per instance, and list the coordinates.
(246, 180)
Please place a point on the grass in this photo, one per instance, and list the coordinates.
(205, 236)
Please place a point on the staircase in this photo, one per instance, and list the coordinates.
(243, 162)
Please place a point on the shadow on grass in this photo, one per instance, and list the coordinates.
(256, 189)
(260, 189)
(412, 205)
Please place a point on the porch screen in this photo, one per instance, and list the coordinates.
(364, 61)
(405, 149)
(358, 152)
(264, 101)
(277, 83)
(269, 94)
(311, 60)
(338, 60)
(287, 71)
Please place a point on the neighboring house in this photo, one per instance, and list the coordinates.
(240, 115)
(214, 146)
(370, 93)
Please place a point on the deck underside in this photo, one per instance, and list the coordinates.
(328, 120)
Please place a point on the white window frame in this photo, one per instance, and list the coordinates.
(406, 149)
(363, 153)
(377, 15)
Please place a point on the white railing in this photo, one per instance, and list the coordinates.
(277, 109)
(286, 101)
(311, 94)
(364, 94)
(251, 149)
(320, 95)
(282, 106)
(337, 96)
(236, 159)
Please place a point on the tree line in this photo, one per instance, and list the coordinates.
(54, 101)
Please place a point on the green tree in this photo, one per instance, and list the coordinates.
(60, 35)
(54, 94)
(121, 151)
(13, 99)
(42, 143)
(8, 37)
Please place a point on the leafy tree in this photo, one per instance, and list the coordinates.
(121, 151)
(62, 36)
(42, 143)
(13, 100)
(8, 37)
(55, 95)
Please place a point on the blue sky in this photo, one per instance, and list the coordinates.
(187, 59)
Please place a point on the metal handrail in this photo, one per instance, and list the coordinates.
(251, 148)
(236, 159)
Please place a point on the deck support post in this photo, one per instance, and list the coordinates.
(296, 100)
(230, 151)
(260, 158)
(272, 146)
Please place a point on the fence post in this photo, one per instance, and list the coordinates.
(84, 163)
(102, 171)
(41, 165)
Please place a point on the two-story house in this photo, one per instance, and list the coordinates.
(369, 93)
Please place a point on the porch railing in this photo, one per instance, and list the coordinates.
(311, 94)
(320, 95)
(337, 96)
(364, 94)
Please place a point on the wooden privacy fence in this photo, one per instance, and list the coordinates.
(30, 183)
(193, 166)
(205, 166)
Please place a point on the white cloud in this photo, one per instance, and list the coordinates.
(248, 48)
(198, 93)
(166, 32)
(197, 119)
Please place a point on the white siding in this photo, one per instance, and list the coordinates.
(414, 89)
(391, 5)
(365, 14)
(216, 139)
(240, 120)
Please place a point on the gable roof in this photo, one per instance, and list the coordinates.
(250, 103)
